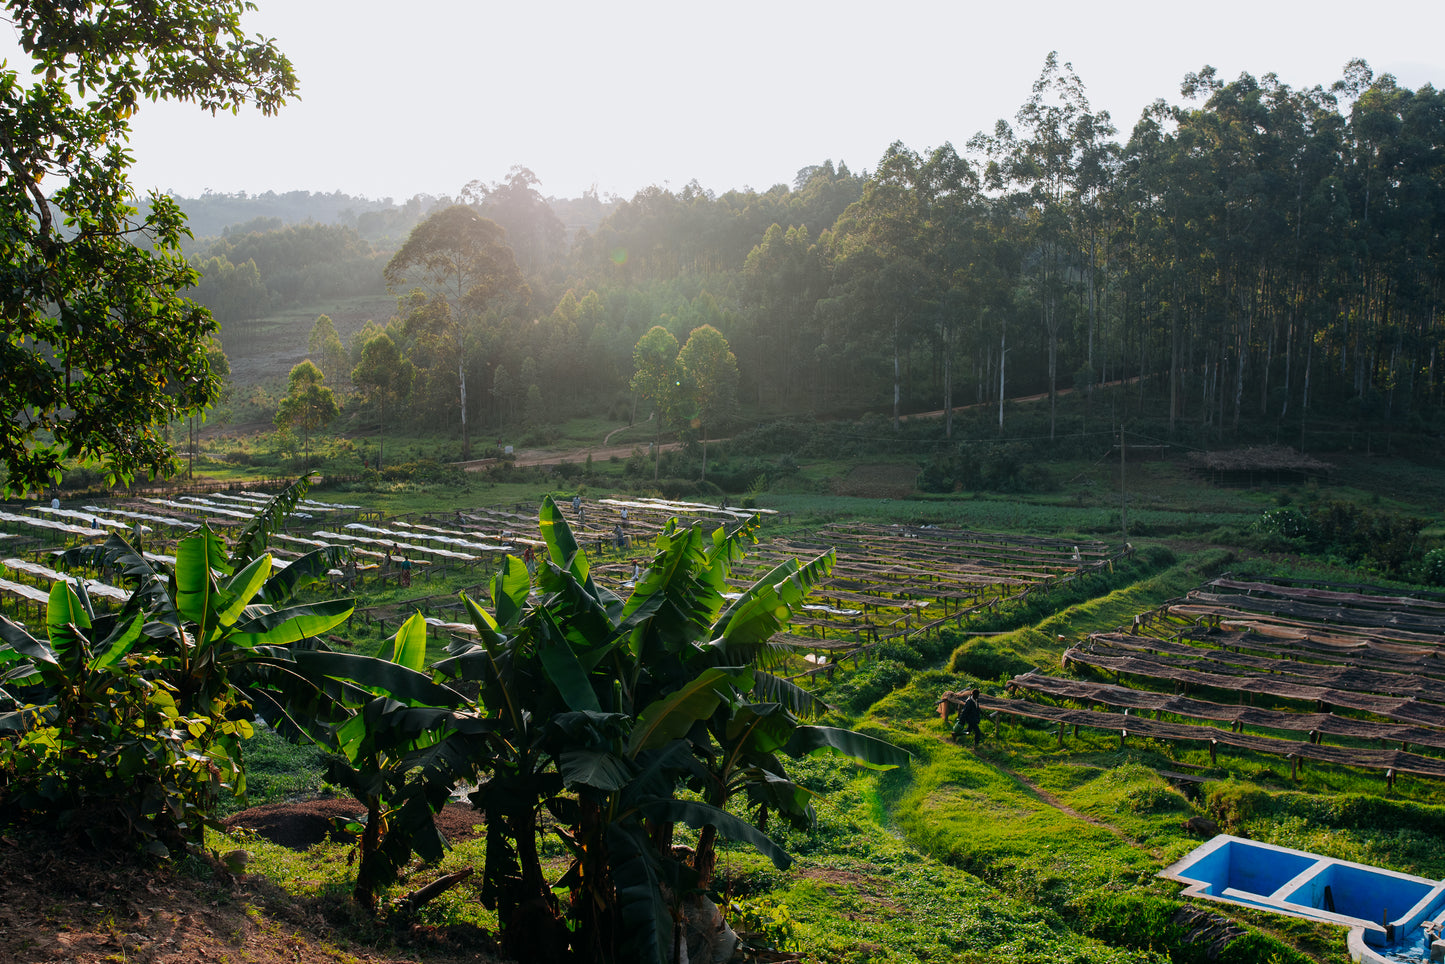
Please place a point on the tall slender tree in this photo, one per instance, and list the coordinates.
(462, 258)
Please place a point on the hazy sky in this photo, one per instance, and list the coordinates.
(424, 96)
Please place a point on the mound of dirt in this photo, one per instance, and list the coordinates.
(309, 822)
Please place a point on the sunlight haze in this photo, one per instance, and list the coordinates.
(427, 96)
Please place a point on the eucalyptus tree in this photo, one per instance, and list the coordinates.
(102, 352)
(657, 377)
(1393, 181)
(782, 280)
(324, 343)
(462, 259)
(308, 404)
(953, 225)
(535, 234)
(880, 269)
(1055, 157)
(710, 379)
(385, 378)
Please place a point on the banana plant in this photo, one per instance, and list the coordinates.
(605, 708)
(399, 753)
(223, 618)
(175, 675)
(98, 739)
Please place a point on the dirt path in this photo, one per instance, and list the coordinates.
(1045, 797)
(533, 457)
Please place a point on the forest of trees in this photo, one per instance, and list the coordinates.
(1249, 256)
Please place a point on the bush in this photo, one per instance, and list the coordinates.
(983, 659)
(427, 471)
(900, 652)
(987, 467)
(1289, 523)
(788, 435)
(871, 683)
(685, 489)
(1432, 570)
(1234, 803)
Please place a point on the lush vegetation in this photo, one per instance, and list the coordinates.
(1259, 262)
(1256, 261)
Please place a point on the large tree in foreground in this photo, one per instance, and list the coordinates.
(101, 352)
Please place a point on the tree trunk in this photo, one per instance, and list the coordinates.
(1002, 355)
(466, 439)
(897, 378)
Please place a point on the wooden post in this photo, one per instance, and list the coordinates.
(1213, 749)
(1390, 778)
(1123, 735)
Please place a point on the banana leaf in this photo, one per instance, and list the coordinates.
(861, 748)
(671, 717)
(379, 675)
(256, 535)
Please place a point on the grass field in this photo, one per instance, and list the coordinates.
(1025, 850)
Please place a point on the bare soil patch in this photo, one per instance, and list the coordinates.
(61, 900)
(309, 822)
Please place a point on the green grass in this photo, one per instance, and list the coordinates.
(1027, 850)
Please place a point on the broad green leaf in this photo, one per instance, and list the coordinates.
(243, 587)
(779, 794)
(867, 750)
(196, 594)
(281, 627)
(768, 688)
(673, 715)
(487, 628)
(349, 736)
(20, 644)
(562, 545)
(409, 647)
(563, 669)
(768, 605)
(697, 815)
(599, 769)
(760, 728)
(647, 922)
(121, 646)
(64, 617)
(309, 569)
(378, 675)
(510, 586)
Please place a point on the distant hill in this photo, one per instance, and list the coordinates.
(384, 221)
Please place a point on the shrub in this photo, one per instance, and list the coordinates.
(871, 683)
(1433, 567)
(983, 659)
(1233, 803)
(1289, 523)
(900, 652)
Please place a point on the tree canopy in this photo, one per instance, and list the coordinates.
(101, 351)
